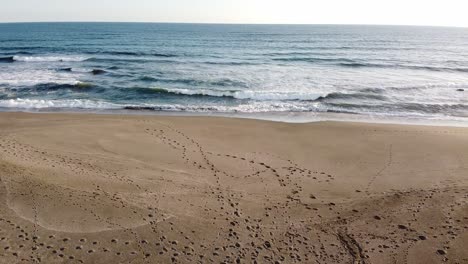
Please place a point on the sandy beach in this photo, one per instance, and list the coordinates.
(83, 188)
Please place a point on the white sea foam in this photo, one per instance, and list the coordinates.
(42, 103)
(49, 58)
(249, 94)
(29, 77)
(252, 107)
(255, 107)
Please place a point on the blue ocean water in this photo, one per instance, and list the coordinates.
(370, 70)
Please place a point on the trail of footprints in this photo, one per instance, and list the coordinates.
(272, 235)
(11, 147)
(260, 234)
(384, 168)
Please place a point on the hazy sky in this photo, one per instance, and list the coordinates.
(406, 12)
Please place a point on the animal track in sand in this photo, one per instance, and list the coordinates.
(387, 164)
(289, 176)
(273, 232)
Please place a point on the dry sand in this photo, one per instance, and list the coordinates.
(148, 189)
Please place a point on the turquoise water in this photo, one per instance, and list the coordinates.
(371, 70)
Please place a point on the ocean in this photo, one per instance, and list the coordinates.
(376, 71)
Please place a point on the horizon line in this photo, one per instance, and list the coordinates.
(231, 23)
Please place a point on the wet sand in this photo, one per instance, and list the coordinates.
(81, 188)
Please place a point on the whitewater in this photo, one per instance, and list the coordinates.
(376, 71)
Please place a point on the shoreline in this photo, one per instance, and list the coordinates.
(284, 117)
(91, 188)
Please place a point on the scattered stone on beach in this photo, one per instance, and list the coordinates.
(108, 196)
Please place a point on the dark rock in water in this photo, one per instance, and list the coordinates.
(460, 90)
(66, 69)
(7, 59)
(149, 108)
(98, 71)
